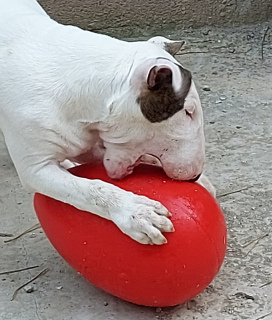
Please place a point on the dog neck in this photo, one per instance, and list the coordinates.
(91, 77)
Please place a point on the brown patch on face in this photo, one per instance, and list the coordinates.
(159, 101)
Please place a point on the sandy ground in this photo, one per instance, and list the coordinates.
(235, 85)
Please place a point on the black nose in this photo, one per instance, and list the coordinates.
(195, 178)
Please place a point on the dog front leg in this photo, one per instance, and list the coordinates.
(141, 218)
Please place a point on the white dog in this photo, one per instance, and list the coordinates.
(69, 94)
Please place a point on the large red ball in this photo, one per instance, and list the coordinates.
(148, 275)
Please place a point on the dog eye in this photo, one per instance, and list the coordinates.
(189, 114)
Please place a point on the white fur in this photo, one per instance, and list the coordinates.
(68, 94)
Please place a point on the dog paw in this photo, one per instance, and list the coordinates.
(206, 183)
(143, 220)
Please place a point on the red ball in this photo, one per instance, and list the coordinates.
(159, 276)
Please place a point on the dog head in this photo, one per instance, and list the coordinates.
(159, 115)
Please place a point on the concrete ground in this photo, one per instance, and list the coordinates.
(234, 83)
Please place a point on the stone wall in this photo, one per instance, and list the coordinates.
(134, 16)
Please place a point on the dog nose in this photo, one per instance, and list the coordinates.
(195, 178)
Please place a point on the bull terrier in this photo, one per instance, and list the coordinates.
(73, 96)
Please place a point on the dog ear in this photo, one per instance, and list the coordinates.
(158, 77)
(164, 90)
(171, 46)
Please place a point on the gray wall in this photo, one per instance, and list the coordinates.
(155, 15)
